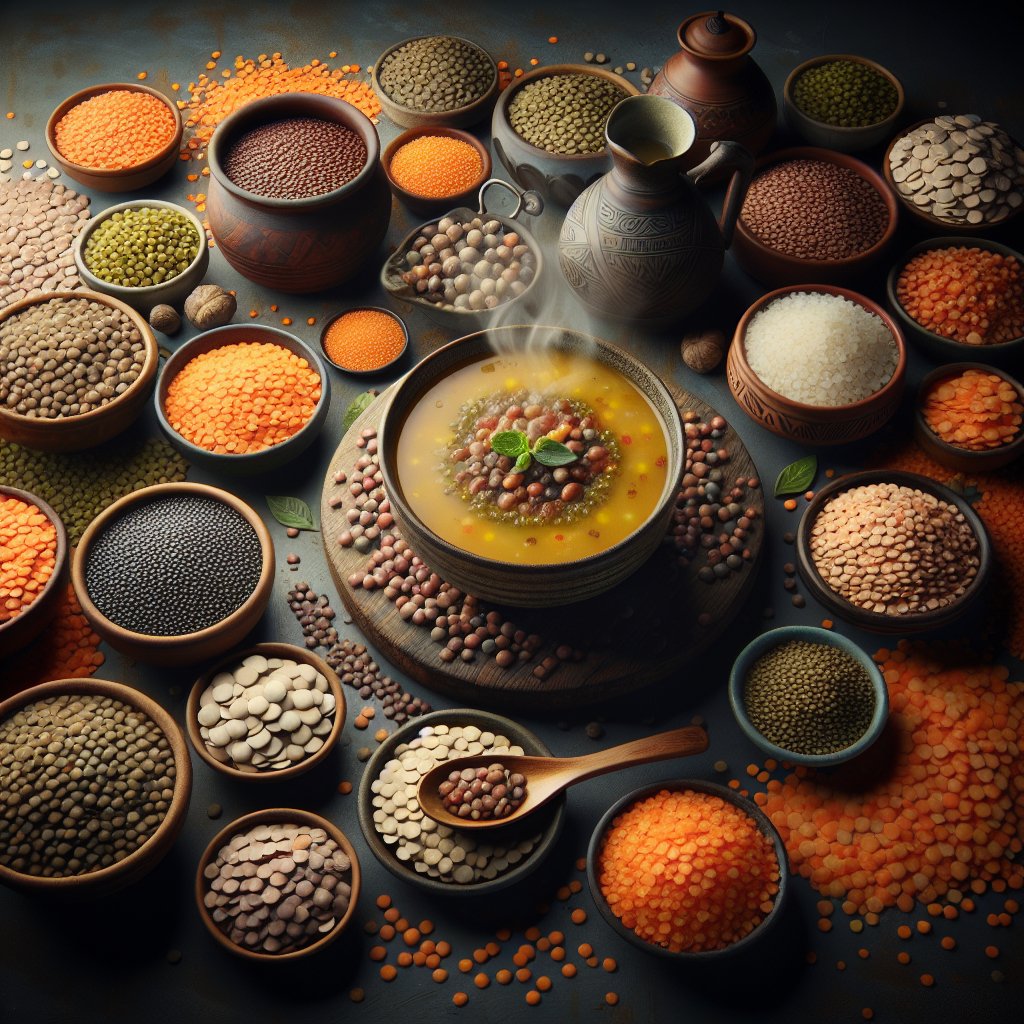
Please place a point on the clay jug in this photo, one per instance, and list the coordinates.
(641, 243)
(714, 77)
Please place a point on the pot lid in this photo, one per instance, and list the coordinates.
(717, 34)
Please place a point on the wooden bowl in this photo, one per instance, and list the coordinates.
(512, 583)
(251, 462)
(558, 178)
(130, 178)
(813, 424)
(377, 371)
(777, 269)
(547, 820)
(273, 650)
(172, 292)
(74, 433)
(27, 625)
(964, 460)
(815, 635)
(460, 117)
(749, 808)
(150, 853)
(187, 648)
(936, 347)
(427, 206)
(875, 621)
(276, 816)
(843, 140)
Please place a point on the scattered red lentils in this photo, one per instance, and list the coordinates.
(612, 999)
(389, 972)
(345, 787)
(533, 997)
(460, 999)
(357, 995)
(439, 975)
(789, 504)
(28, 555)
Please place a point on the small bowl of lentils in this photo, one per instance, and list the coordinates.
(809, 696)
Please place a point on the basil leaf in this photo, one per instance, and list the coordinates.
(292, 512)
(797, 477)
(522, 463)
(359, 405)
(512, 443)
(549, 452)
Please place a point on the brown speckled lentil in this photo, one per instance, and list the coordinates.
(435, 73)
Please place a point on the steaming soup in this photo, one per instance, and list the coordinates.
(578, 460)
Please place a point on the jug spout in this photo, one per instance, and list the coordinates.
(648, 138)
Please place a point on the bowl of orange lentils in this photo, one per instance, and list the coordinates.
(364, 341)
(244, 398)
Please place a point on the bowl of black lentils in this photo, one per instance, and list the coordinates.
(174, 573)
(109, 802)
(808, 695)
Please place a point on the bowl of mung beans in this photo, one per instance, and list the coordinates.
(115, 790)
(76, 368)
(808, 695)
(144, 252)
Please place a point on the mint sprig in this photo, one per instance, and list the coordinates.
(514, 444)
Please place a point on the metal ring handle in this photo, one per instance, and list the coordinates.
(528, 201)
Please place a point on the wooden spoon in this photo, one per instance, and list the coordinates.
(546, 777)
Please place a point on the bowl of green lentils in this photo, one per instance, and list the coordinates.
(144, 252)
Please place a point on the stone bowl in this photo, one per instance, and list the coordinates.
(377, 371)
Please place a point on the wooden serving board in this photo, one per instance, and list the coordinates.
(640, 632)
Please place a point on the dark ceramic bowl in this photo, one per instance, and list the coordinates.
(129, 178)
(558, 178)
(813, 424)
(878, 622)
(150, 853)
(815, 635)
(935, 346)
(749, 808)
(377, 370)
(186, 648)
(251, 462)
(276, 816)
(777, 269)
(74, 433)
(547, 821)
(964, 460)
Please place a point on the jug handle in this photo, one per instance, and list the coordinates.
(725, 155)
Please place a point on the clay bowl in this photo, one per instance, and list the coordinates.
(558, 178)
(777, 269)
(547, 821)
(815, 635)
(748, 807)
(813, 424)
(377, 371)
(844, 140)
(274, 650)
(460, 117)
(426, 206)
(513, 583)
(186, 648)
(129, 178)
(964, 460)
(250, 462)
(172, 292)
(73, 433)
(878, 622)
(936, 347)
(146, 857)
(276, 816)
(25, 627)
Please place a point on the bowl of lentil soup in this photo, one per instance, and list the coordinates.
(532, 527)
(646, 837)
(365, 341)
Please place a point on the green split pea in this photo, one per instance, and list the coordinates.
(141, 246)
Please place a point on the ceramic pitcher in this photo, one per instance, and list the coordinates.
(641, 243)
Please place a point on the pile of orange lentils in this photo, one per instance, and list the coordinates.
(363, 340)
(436, 166)
(973, 410)
(28, 554)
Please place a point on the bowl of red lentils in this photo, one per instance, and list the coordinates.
(116, 137)
(961, 299)
(656, 846)
(364, 341)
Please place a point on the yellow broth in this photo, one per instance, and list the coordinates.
(427, 435)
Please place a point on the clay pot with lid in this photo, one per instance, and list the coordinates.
(715, 79)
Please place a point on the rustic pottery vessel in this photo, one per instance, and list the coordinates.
(641, 243)
(298, 245)
(715, 79)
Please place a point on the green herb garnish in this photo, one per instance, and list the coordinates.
(516, 445)
(293, 512)
(359, 405)
(797, 476)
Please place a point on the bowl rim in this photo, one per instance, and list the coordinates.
(376, 371)
(879, 621)
(747, 806)
(851, 408)
(155, 492)
(554, 815)
(527, 569)
(267, 650)
(445, 131)
(817, 635)
(172, 820)
(95, 90)
(278, 816)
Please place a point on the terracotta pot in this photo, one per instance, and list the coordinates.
(298, 245)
